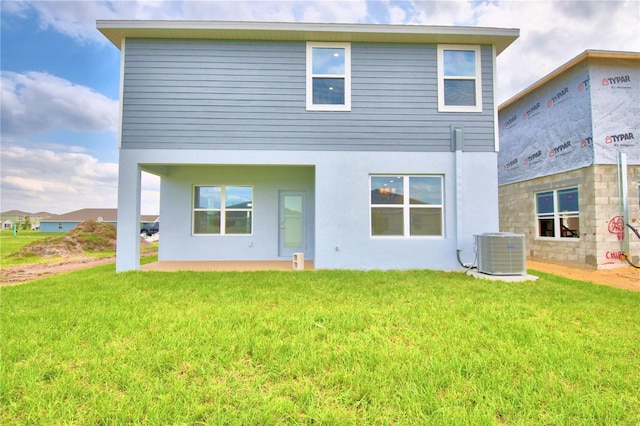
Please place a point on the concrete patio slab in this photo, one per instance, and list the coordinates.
(508, 278)
(223, 265)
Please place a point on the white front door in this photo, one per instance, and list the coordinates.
(292, 218)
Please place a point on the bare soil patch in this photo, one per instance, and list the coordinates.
(625, 277)
(88, 237)
(33, 271)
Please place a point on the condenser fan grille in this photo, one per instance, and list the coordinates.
(501, 253)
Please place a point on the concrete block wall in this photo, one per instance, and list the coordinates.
(598, 246)
(609, 225)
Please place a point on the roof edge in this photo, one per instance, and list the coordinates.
(116, 30)
(587, 54)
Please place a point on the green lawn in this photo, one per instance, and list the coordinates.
(321, 347)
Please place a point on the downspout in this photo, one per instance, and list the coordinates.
(123, 45)
(624, 200)
(458, 143)
(623, 196)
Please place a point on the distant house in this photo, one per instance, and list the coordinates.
(67, 221)
(22, 219)
(559, 163)
(361, 146)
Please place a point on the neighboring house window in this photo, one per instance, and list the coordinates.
(459, 79)
(406, 206)
(558, 213)
(222, 210)
(329, 76)
(59, 225)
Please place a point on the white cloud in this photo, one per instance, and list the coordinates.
(397, 15)
(37, 102)
(58, 182)
(444, 12)
(77, 19)
(333, 11)
(38, 179)
(274, 11)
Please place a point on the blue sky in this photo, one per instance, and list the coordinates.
(60, 76)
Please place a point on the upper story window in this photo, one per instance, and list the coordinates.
(329, 76)
(558, 213)
(459, 79)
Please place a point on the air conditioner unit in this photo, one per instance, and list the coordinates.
(501, 253)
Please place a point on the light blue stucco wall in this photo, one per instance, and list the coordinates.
(61, 226)
(339, 182)
(178, 241)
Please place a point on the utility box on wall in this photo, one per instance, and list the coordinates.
(298, 261)
(501, 253)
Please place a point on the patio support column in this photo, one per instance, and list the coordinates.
(128, 236)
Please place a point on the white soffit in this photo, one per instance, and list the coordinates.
(116, 30)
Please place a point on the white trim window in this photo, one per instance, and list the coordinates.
(459, 78)
(406, 206)
(222, 210)
(328, 76)
(558, 213)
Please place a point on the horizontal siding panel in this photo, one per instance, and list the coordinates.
(247, 66)
(408, 134)
(163, 142)
(319, 146)
(205, 80)
(200, 94)
(470, 128)
(205, 122)
(142, 46)
(180, 57)
(207, 92)
(142, 104)
(221, 109)
(228, 71)
(296, 139)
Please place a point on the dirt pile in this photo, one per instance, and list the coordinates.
(88, 237)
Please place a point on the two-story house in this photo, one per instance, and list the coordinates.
(23, 220)
(569, 162)
(361, 146)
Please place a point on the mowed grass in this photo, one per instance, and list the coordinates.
(317, 347)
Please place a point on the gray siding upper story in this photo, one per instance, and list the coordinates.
(209, 94)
